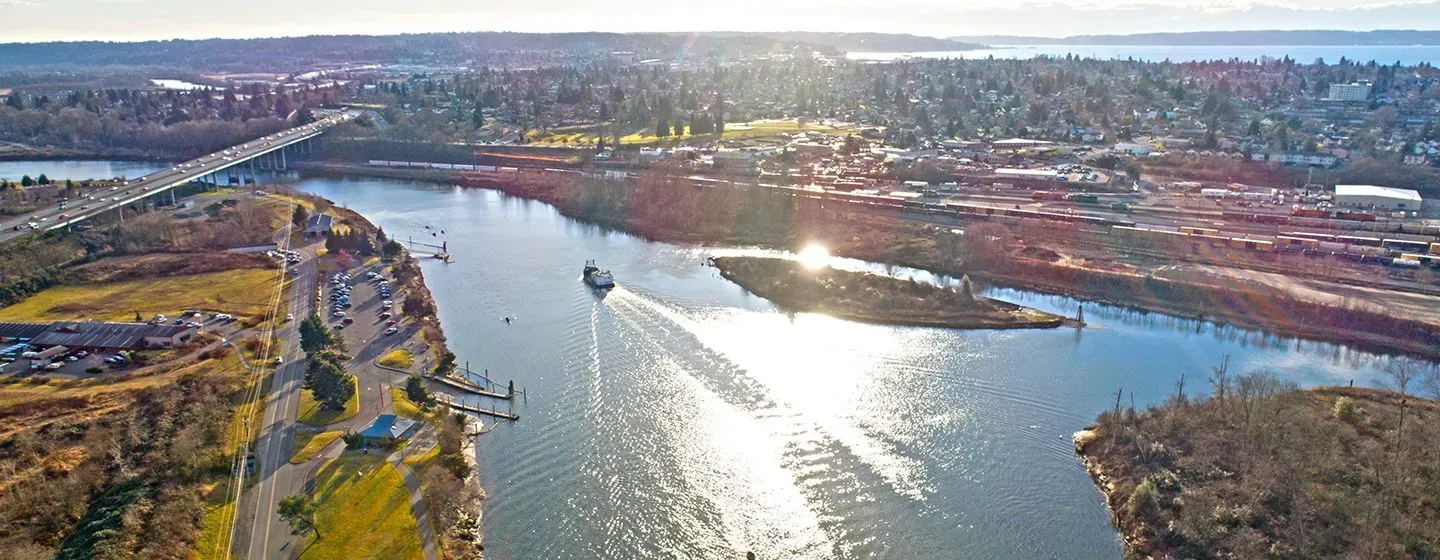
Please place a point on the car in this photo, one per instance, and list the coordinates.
(391, 330)
(338, 314)
(386, 315)
(87, 207)
(64, 217)
(391, 323)
(193, 325)
(289, 316)
(52, 366)
(81, 354)
(279, 360)
(339, 326)
(72, 358)
(348, 321)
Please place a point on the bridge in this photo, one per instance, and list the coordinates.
(270, 152)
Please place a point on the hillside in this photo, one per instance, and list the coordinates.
(1270, 471)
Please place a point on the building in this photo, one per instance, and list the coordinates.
(1371, 196)
(101, 336)
(386, 428)
(318, 225)
(1312, 159)
(1358, 91)
(1132, 149)
(733, 159)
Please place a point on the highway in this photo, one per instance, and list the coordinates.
(106, 200)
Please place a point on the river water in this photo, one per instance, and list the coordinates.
(60, 170)
(679, 417)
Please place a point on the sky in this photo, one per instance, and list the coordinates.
(132, 20)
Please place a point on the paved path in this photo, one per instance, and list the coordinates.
(423, 440)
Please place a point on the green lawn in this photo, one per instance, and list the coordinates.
(400, 358)
(364, 512)
(308, 444)
(311, 413)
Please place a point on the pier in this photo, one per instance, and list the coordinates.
(459, 404)
(469, 387)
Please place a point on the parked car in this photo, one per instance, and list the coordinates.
(391, 330)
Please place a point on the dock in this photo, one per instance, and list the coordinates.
(468, 387)
(462, 405)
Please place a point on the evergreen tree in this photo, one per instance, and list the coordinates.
(313, 335)
(299, 216)
(416, 392)
(42, 180)
(26, 181)
(478, 118)
(662, 129)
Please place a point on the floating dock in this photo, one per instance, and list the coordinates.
(468, 387)
(462, 405)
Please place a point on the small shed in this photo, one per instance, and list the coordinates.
(388, 427)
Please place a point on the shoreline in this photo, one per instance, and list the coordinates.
(410, 277)
(1125, 291)
(752, 273)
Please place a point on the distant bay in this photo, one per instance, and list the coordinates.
(1382, 54)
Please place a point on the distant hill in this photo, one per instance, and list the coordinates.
(302, 53)
(283, 54)
(873, 42)
(1207, 38)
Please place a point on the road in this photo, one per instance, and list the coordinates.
(275, 477)
(116, 197)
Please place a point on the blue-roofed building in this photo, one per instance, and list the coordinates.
(387, 427)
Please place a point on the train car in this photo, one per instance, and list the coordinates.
(1276, 219)
(1354, 216)
(1309, 213)
(1360, 240)
(1199, 231)
(1308, 235)
(1251, 244)
(1212, 240)
(1047, 195)
(1435, 248)
(1296, 241)
(1405, 245)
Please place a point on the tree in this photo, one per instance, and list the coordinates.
(325, 377)
(42, 180)
(313, 336)
(416, 392)
(966, 290)
(662, 130)
(446, 363)
(26, 181)
(299, 216)
(391, 250)
(299, 512)
(477, 118)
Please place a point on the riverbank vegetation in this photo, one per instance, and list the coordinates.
(874, 298)
(1262, 469)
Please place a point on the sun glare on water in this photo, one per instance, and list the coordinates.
(814, 256)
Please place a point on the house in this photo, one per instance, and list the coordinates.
(318, 225)
(386, 428)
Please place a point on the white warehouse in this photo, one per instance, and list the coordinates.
(1371, 196)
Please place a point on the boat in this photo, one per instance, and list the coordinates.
(596, 278)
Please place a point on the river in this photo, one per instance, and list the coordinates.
(679, 417)
(60, 170)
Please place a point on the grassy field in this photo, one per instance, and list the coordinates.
(215, 530)
(27, 404)
(311, 413)
(244, 292)
(364, 512)
(309, 444)
(400, 358)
